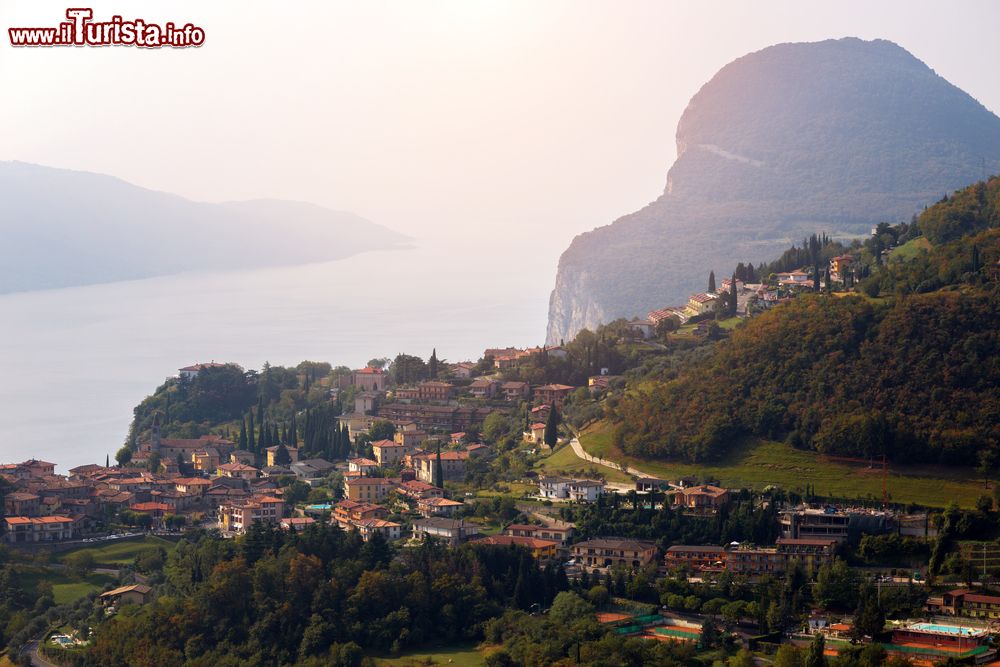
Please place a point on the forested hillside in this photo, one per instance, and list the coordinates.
(908, 367)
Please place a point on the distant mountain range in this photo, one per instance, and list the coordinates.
(831, 136)
(62, 228)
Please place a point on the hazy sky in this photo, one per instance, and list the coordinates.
(529, 121)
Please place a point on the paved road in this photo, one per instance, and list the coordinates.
(37, 659)
(579, 451)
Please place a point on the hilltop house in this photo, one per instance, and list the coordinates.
(191, 372)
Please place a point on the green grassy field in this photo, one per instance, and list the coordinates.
(66, 587)
(118, 552)
(459, 656)
(757, 464)
(910, 249)
(564, 460)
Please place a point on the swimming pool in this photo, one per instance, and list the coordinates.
(954, 630)
(320, 508)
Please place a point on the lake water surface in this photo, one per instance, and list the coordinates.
(74, 362)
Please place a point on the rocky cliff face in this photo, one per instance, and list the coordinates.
(832, 136)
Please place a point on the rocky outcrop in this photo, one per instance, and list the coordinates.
(832, 137)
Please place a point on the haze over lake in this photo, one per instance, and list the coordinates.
(77, 360)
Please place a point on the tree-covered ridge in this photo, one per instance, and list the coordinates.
(322, 597)
(221, 398)
(914, 376)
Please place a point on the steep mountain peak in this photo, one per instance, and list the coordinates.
(792, 139)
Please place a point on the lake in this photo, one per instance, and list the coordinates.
(76, 361)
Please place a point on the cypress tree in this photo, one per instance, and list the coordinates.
(243, 434)
(437, 476)
(814, 656)
(432, 364)
(251, 443)
(293, 432)
(551, 436)
(711, 281)
(732, 297)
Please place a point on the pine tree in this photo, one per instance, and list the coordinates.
(281, 456)
(711, 281)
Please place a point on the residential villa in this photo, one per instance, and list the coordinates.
(452, 465)
(348, 512)
(237, 516)
(429, 507)
(699, 304)
(793, 279)
(297, 523)
(435, 390)
(191, 372)
(484, 388)
(367, 489)
(388, 453)
(134, 594)
(752, 560)
(370, 379)
(23, 529)
(564, 488)
(237, 470)
(536, 433)
(610, 551)
(840, 265)
(272, 452)
(362, 466)
(369, 527)
(450, 531)
(552, 394)
(515, 391)
(702, 499)
(707, 557)
(541, 550)
(463, 369)
(561, 535)
(410, 438)
(22, 504)
(964, 602)
(417, 489)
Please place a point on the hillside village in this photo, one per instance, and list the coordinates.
(404, 458)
